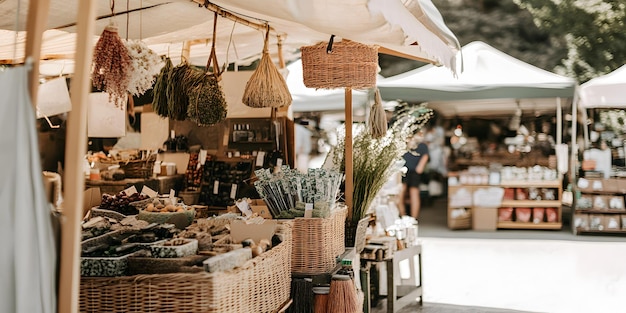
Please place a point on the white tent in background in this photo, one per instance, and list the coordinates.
(492, 83)
(608, 91)
(307, 99)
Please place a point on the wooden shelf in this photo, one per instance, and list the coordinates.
(530, 183)
(601, 232)
(601, 211)
(530, 203)
(528, 225)
(603, 192)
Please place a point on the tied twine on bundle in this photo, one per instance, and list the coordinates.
(378, 118)
(207, 103)
(111, 66)
(266, 87)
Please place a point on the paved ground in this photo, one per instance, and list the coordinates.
(517, 271)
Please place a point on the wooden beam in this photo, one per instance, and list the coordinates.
(349, 183)
(36, 25)
(388, 51)
(74, 180)
(237, 19)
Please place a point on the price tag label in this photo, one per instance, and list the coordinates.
(260, 157)
(202, 157)
(233, 191)
(216, 187)
(279, 162)
(308, 210)
(130, 191)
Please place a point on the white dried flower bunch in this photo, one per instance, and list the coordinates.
(144, 68)
(376, 160)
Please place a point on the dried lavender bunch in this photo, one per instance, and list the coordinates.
(207, 104)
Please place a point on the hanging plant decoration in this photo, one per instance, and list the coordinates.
(266, 87)
(145, 65)
(111, 66)
(207, 103)
(183, 77)
(378, 118)
(160, 100)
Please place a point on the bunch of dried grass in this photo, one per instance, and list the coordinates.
(266, 87)
(111, 66)
(378, 118)
(159, 102)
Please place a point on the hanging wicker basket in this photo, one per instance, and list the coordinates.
(346, 64)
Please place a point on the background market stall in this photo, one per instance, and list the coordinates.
(491, 85)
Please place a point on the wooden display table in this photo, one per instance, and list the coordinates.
(400, 292)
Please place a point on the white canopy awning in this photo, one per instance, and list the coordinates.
(608, 91)
(413, 28)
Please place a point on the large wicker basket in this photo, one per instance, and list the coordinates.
(350, 64)
(261, 285)
(317, 242)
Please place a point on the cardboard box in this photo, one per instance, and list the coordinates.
(485, 218)
(91, 198)
(240, 230)
(259, 207)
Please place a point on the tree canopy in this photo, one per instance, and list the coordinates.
(593, 31)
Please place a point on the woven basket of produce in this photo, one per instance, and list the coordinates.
(340, 64)
(261, 284)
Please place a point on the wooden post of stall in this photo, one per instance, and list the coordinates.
(559, 121)
(349, 185)
(69, 277)
(36, 23)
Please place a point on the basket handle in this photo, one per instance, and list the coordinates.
(213, 57)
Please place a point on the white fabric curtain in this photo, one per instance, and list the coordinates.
(27, 247)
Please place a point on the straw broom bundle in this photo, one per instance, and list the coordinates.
(343, 297)
(378, 119)
(266, 87)
(111, 66)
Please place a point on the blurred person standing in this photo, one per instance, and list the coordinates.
(415, 159)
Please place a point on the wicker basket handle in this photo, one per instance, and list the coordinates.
(213, 57)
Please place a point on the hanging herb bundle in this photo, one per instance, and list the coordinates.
(111, 66)
(266, 87)
(207, 104)
(182, 78)
(378, 118)
(145, 65)
(160, 100)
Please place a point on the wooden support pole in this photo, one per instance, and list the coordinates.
(36, 25)
(349, 185)
(559, 121)
(69, 278)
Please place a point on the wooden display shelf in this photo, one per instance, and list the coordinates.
(530, 183)
(592, 211)
(528, 225)
(530, 203)
(621, 232)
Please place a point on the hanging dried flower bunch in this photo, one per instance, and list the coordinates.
(207, 104)
(111, 66)
(266, 87)
(145, 65)
(160, 100)
(378, 118)
(182, 78)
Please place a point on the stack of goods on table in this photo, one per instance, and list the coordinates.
(163, 259)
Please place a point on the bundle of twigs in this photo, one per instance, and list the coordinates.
(378, 118)
(111, 66)
(207, 103)
(159, 102)
(343, 297)
(266, 87)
